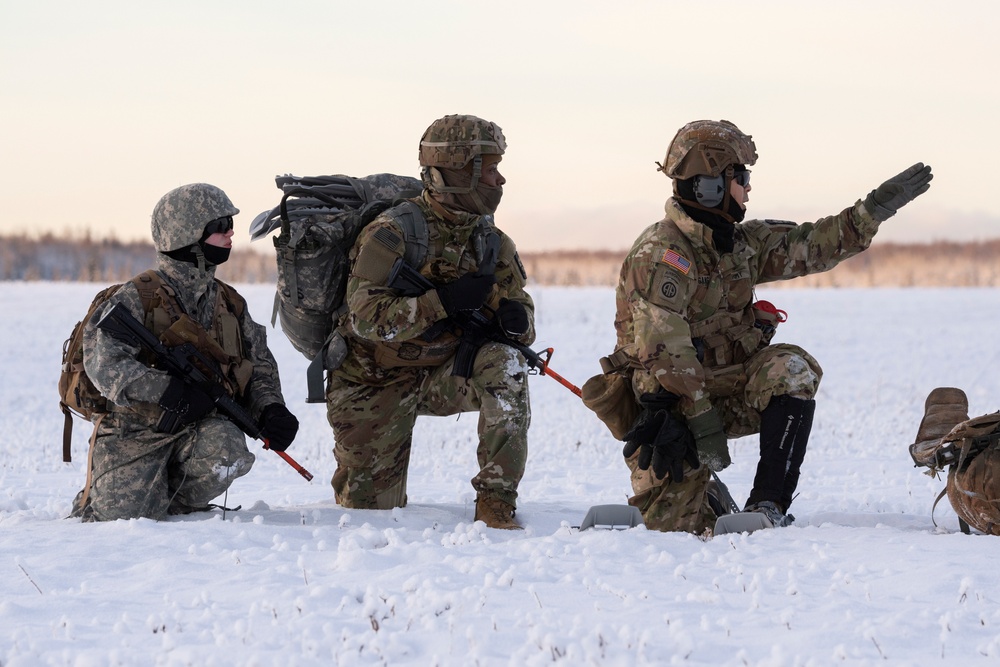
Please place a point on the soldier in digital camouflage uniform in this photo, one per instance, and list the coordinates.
(137, 468)
(697, 350)
(402, 349)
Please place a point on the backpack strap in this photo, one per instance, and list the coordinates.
(485, 228)
(934, 506)
(416, 235)
(152, 289)
(67, 432)
(362, 188)
(232, 299)
(85, 498)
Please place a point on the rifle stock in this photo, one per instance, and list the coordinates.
(183, 362)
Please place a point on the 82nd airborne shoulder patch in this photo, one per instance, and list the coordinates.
(669, 288)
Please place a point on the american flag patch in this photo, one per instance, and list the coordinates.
(671, 258)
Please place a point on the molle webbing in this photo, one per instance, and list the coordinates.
(161, 310)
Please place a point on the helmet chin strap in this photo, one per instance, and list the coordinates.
(434, 179)
(199, 257)
(470, 198)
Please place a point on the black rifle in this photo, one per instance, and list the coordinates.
(182, 362)
(476, 328)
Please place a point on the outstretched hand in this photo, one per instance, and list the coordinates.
(901, 189)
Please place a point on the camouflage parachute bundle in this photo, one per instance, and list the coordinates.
(320, 218)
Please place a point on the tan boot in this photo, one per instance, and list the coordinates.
(496, 513)
(945, 408)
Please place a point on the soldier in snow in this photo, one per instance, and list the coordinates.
(404, 346)
(161, 448)
(694, 350)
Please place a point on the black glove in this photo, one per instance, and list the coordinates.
(182, 404)
(512, 317)
(467, 293)
(886, 199)
(662, 440)
(278, 426)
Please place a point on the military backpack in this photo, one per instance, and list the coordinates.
(320, 218)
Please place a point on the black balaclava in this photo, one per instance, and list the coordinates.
(722, 225)
(201, 254)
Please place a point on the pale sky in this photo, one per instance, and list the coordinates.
(107, 105)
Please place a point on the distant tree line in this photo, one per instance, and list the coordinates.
(938, 264)
(83, 258)
(67, 258)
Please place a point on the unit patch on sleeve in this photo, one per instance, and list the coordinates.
(671, 258)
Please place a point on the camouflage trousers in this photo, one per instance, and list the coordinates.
(776, 370)
(373, 427)
(139, 473)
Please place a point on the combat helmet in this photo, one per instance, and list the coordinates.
(180, 216)
(450, 143)
(706, 148)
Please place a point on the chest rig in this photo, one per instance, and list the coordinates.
(221, 343)
(721, 317)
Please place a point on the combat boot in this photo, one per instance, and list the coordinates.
(772, 512)
(496, 513)
(945, 408)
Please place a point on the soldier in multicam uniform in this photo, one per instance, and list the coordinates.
(401, 349)
(701, 368)
(137, 469)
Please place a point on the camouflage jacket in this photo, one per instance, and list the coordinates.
(383, 329)
(684, 312)
(117, 372)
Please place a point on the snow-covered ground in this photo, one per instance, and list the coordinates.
(862, 577)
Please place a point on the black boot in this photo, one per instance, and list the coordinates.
(784, 432)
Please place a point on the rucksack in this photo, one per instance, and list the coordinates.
(320, 218)
(77, 394)
(974, 477)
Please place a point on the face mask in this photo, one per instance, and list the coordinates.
(482, 201)
(489, 198)
(214, 255)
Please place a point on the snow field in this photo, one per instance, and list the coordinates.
(863, 576)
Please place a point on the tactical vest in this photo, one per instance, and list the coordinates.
(223, 343)
(721, 318)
